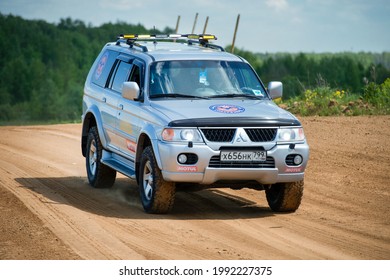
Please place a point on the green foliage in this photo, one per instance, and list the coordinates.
(302, 71)
(43, 66)
(378, 95)
(328, 84)
(325, 101)
(43, 69)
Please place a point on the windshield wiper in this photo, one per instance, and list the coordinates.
(174, 95)
(237, 95)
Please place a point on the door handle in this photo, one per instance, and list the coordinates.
(104, 99)
(120, 106)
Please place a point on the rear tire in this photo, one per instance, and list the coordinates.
(99, 175)
(157, 195)
(285, 197)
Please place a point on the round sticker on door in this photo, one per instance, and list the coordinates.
(227, 109)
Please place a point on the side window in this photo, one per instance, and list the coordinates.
(103, 68)
(250, 80)
(121, 76)
(135, 75)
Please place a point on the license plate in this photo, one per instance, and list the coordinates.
(243, 155)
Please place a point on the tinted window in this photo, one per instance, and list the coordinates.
(103, 68)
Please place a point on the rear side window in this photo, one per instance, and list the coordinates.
(103, 68)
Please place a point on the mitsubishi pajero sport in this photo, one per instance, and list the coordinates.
(178, 110)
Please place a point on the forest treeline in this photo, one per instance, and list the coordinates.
(43, 67)
(299, 72)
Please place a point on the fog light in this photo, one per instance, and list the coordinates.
(298, 160)
(182, 158)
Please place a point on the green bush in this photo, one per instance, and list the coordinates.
(378, 96)
(326, 101)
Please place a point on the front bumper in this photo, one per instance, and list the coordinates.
(202, 173)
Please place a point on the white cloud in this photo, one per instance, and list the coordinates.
(278, 5)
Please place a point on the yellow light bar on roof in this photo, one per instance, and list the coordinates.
(129, 37)
(193, 36)
(170, 36)
(144, 36)
(208, 37)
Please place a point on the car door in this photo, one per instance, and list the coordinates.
(105, 99)
(128, 115)
(119, 76)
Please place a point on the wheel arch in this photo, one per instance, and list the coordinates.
(90, 119)
(144, 141)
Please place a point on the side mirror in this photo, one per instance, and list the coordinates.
(275, 89)
(130, 90)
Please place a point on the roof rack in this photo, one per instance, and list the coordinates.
(206, 44)
(201, 39)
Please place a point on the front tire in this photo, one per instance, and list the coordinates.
(99, 175)
(285, 197)
(157, 195)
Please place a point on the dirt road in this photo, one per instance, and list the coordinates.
(48, 211)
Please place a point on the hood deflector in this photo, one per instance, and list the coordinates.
(234, 122)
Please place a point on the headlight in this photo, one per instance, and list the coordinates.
(181, 134)
(291, 134)
(188, 134)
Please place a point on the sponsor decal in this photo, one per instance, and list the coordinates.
(125, 127)
(227, 109)
(203, 78)
(293, 169)
(258, 92)
(102, 63)
(131, 145)
(187, 168)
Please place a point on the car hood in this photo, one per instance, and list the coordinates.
(223, 112)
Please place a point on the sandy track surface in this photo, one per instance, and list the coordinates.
(48, 210)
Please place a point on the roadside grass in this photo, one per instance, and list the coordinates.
(326, 101)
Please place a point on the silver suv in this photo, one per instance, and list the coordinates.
(177, 111)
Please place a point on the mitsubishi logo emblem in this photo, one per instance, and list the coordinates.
(241, 136)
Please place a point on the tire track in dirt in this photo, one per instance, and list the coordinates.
(76, 229)
(43, 167)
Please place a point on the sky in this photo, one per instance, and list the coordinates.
(265, 26)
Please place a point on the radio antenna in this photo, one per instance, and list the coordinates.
(205, 25)
(196, 19)
(177, 24)
(235, 32)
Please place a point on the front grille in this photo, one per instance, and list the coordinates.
(227, 134)
(219, 134)
(261, 134)
(215, 162)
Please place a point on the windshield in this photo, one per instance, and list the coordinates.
(204, 79)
